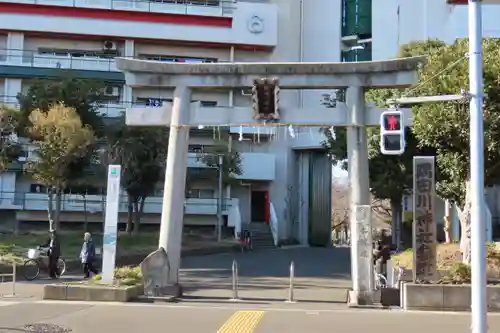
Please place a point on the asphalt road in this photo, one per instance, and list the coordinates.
(229, 318)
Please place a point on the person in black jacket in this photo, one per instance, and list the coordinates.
(53, 252)
(381, 255)
(87, 255)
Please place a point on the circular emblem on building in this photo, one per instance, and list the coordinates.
(255, 24)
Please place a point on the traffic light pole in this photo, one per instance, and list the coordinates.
(478, 229)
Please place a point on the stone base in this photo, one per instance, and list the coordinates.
(355, 299)
(174, 291)
(92, 293)
(445, 297)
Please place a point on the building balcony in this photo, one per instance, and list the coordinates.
(249, 24)
(95, 204)
(191, 7)
(24, 58)
(256, 130)
(308, 138)
(255, 166)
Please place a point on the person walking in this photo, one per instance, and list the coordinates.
(53, 252)
(87, 255)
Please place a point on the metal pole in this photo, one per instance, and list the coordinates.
(292, 276)
(234, 269)
(219, 203)
(478, 229)
(14, 273)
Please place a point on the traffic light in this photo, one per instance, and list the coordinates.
(392, 133)
(265, 99)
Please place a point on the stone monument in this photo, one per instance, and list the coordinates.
(155, 269)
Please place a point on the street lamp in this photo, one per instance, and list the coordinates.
(219, 202)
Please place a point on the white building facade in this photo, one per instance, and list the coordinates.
(406, 21)
(286, 174)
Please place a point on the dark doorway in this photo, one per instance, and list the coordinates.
(258, 205)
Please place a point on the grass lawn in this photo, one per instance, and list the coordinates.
(14, 248)
(447, 254)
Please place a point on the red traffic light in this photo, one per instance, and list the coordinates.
(392, 122)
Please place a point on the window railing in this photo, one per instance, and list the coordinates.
(191, 7)
(28, 58)
(96, 203)
(79, 60)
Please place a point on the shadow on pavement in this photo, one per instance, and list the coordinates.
(321, 275)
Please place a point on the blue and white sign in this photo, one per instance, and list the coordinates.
(111, 224)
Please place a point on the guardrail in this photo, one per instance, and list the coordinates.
(187, 7)
(28, 58)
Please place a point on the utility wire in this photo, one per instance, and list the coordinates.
(447, 68)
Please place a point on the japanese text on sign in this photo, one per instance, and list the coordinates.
(364, 247)
(424, 224)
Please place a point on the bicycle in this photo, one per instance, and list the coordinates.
(380, 280)
(38, 261)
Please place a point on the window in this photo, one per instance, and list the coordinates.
(37, 188)
(157, 102)
(111, 94)
(211, 3)
(88, 190)
(196, 148)
(167, 58)
(79, 53)
(200, 194)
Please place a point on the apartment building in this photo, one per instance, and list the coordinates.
(285, 178)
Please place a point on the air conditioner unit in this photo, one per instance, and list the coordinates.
(112, 91)
(109, 45)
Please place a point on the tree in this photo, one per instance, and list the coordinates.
(141, 151)
(62, 141)
(83, 95)
(10, 149)
(231, 160)
(340, 201)
(390, 176)
(445, 126)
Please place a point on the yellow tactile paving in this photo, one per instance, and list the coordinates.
(242, 322)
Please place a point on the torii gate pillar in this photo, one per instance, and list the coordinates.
(172, 216)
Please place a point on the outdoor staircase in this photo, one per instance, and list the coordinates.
(262, 238)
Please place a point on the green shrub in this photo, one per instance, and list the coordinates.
(458, 273)
(124, 276)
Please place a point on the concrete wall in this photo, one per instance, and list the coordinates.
(397, 22)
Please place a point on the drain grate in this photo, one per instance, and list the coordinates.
(46, 328)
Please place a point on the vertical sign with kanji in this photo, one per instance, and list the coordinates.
(363, 248)
(424, 219)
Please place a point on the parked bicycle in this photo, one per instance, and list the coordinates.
(37, 262)
(245, 240)
(380, 280)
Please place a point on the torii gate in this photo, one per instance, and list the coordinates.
(354, 114)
